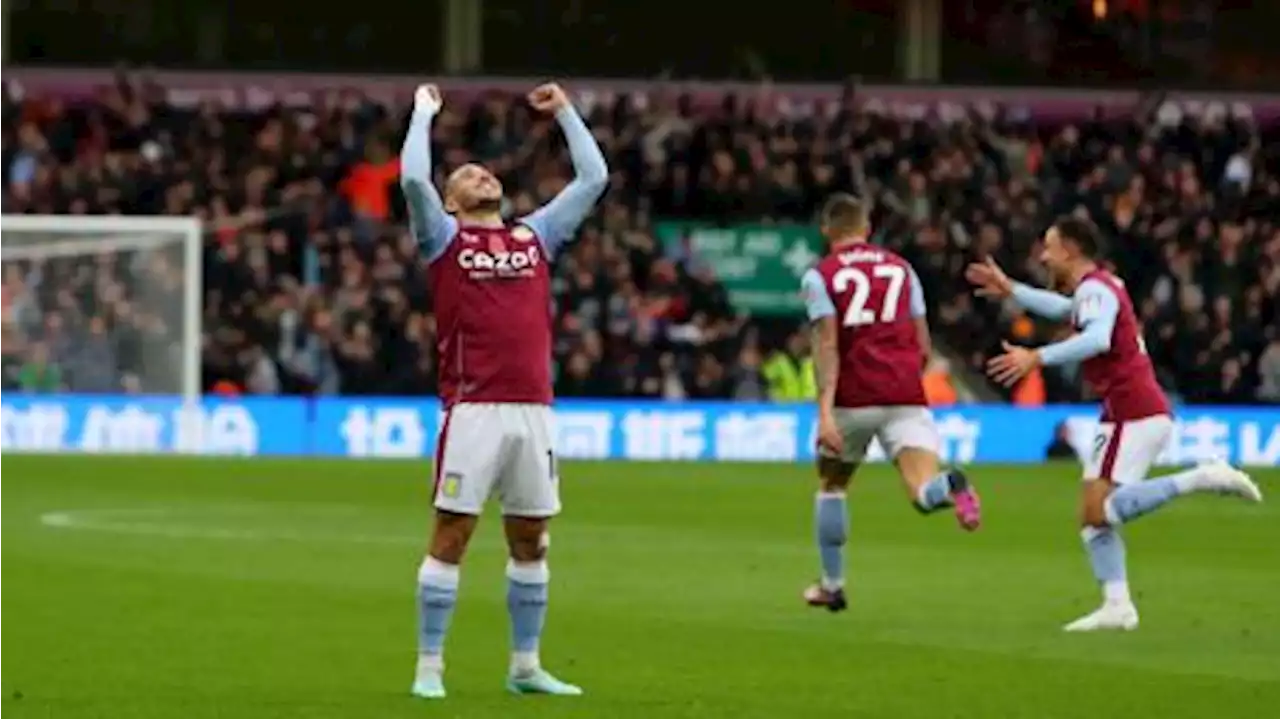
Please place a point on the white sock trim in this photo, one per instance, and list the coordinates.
(1109, 511)
(920, 492)
(435, 573)
(528, 572)
(525, 662)
(1116, 591)
(1088, 534)
(430, 664)
(835, 494)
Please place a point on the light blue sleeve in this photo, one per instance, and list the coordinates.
(555, 222)
(432, 227)
(918, 307)
(817, 300)
(1096, 309)
(1042, 302)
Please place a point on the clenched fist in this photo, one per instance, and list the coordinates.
(427, 98)
(548, 98)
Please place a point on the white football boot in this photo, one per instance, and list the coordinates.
(1219, 477)
(1111, 616)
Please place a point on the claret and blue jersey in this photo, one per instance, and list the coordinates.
(1108, 344)
(876, 300)
(491, 285)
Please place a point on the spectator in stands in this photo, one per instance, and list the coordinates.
(13, 354)
(789, 371)
(1060, 447)
(261, 376)
(40, 373)
(748, 380)
(306, 351)
(367, 189)
(92, 364)
(938, 389)
(1269, 370)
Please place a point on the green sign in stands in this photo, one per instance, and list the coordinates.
(760, 265)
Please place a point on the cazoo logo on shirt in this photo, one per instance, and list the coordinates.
(500, 262)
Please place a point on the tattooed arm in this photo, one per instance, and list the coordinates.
(826, 361)
(826, 356)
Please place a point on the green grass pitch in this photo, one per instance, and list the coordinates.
(190, 588)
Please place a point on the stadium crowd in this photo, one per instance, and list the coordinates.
(311, 281)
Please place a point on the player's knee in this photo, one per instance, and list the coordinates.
(916, 466)
(525, 551)
(527, 539)
(451, 535)
(1093, 503)
(827, 483)
(834, 474)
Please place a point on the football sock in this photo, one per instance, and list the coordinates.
(935, 493)
(1105, 547)
(1130, 501)
(437, 595)
(527, 604)
(831, 517)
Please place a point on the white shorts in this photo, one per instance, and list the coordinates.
(502, 448)
(897, 428)
(1123, 452)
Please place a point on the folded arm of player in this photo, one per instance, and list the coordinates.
(1096, 309)
(826, 355)
(555, 222)
(1042, 302)
(431, 225)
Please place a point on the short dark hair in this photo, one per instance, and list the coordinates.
(843, 213)
(1082, 233)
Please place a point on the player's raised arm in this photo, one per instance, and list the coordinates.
(826, 355)
(431, 225)
(555, 222)
(991, 281)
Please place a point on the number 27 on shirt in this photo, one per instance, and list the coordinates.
(860, 311)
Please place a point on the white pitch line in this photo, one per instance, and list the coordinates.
(134, 522)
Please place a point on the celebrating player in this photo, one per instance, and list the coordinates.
(490, 283)
(871, 341)
(1136, 419)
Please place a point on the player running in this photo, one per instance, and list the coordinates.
(871, 340)
(490, 283)
(1136, 419)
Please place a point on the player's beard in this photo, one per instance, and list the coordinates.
(1060, 280)
(487, 205)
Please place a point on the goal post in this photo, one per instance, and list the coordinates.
(113, 303)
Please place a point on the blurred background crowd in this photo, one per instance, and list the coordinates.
(312, 284)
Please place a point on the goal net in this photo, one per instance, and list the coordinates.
(102, 304)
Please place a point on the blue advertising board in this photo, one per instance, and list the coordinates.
(585, 429)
